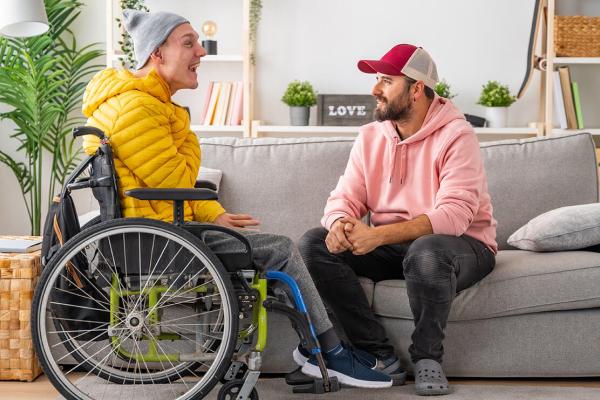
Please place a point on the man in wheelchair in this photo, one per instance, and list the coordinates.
(154, 148)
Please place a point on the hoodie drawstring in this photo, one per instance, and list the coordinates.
(393, 150)
(403, 157)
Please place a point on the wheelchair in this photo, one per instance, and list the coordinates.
(142, 309)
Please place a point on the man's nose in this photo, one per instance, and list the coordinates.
(201, 51)
(376, 90)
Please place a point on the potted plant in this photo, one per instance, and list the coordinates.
(496, 98)
(42, 80)
(300, 96)
(442, 88)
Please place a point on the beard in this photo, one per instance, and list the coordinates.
(400, 109)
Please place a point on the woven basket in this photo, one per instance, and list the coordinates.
(577, 36)
(18, 277)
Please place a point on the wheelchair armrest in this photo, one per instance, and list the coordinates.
(197, 228)
(88, 130)
(172, 194)
(202, 184)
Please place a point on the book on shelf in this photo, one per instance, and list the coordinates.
(577, 103)
(238, 105)
(206, 101)
(231, 102)
(559, 104)
(19, 245)
(222, 103)
(212, 104)
(565, 83)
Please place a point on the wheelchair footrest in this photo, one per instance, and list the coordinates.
(296, 377)
(306, 384)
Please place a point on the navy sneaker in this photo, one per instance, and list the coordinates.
(348, 368)
(301, 356)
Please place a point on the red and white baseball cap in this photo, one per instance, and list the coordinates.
(404, 59)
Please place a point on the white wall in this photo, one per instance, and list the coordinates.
(472, 41)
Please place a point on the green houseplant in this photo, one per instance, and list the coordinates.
(443, 89)
(496, 98)
(42, 80)
(300, 96)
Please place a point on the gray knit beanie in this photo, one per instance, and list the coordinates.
(149, 30)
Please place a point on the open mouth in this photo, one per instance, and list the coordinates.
(194, 67)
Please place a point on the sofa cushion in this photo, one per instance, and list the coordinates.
(565, 228)
(522, 282)
(528, 177)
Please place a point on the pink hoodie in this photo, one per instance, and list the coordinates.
(438, 172)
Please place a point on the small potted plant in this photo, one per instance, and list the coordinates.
(496, 98)
(442, 88)
(300, 96)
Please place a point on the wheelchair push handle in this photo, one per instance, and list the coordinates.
(88, 130)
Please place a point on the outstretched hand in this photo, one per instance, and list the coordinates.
(236, 220)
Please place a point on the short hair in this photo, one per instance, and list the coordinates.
(428, 91)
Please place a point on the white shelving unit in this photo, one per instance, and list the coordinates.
(247, 77)
(260, 130)
(593, 131)
(211, 58)
(218, 130)
(576, 60)
(547, 98)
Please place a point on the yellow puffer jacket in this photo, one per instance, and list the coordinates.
(151, 141)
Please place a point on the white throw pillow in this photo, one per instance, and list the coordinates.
(565, 228)
(211, 175)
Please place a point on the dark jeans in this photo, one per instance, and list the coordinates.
(435, 268)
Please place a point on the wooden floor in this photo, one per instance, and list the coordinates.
(41, 388)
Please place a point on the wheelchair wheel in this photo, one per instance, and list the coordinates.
(92, 222)
(136, 302)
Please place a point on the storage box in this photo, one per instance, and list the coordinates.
(18, 276)
(345, 109)
(577, 36)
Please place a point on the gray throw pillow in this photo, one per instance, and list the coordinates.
(565, 228)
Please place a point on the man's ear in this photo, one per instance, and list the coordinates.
(418, 89)
(156, 55)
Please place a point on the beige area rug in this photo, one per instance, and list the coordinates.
(276, 389)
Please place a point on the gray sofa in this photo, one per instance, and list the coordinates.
(535, 315)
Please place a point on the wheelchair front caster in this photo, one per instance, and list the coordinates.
(231, 390)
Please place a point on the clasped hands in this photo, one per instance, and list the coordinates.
(351, 234)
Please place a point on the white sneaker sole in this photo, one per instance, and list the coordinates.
(299, 358)
(314, 371)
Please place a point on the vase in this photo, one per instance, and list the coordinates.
(496, 117)
(299, 115)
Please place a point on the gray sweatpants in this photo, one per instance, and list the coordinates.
(276, 253)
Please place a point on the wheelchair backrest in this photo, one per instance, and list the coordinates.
(104, 182)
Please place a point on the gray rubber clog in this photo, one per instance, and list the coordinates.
(430, 379)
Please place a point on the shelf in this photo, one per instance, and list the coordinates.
(305, 129)
(593, 131)
(258, 129)
(518, 131)
(222, 58)
(217, 128)
(215, 58)
(577, 60)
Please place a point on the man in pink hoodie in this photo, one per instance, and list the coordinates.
(418, 172)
